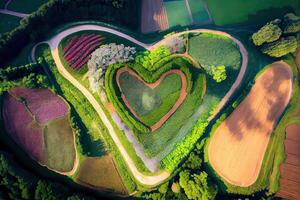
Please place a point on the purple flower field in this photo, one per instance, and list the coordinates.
(22, 128)
(42, 103)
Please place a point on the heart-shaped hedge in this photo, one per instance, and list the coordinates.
(122, 81)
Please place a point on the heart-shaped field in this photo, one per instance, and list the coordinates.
(145, 100)
(152, 103)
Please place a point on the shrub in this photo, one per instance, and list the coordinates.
(281, 47)
(103, 57)
(147, 59)
(218, 73)
(268, 33)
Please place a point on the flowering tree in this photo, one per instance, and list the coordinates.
(103, 57)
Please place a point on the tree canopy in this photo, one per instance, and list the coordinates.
(281, 47)
(196, 186)
(268, 33)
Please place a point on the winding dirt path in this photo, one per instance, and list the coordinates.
(237, 148)
(150, 180)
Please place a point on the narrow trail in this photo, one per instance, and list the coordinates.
(13, 13)
(149, 180)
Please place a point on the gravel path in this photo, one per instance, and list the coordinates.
(149, 180)
(13, 13)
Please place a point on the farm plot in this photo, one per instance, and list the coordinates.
(78, 50)
(199, 12)
(177, 12)
(42, 104)
(47, 138)
(154, 16)
(236, 149)
(290, 169)
(101, 173)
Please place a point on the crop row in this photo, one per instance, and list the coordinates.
(78, 50)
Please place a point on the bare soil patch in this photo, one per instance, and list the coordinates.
(100, 173)
(237, 148)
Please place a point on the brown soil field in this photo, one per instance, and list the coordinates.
(237, 148)
(180, 100)
(154, 16)
(100, 173)
(290, 169)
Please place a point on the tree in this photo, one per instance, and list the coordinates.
(103, 57)
(218, 73)
(282, 47)
(291, 23)
(268, 33)
(50, 191)
(196, 186)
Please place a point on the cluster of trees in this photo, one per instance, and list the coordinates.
(192, 182)
(281, 47)
(30, 75)
(147, 59)
(17, 183)
(279, 37)
(182, 149)
(218, 73)
(103, 57)
(56, 12)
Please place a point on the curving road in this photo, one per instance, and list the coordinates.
(150, 180)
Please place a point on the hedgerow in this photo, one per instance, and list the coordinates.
(112, 90)
(183, 148)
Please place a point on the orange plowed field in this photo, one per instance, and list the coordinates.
(237, 148)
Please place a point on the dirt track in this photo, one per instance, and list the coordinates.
(154, 16)
(179, 101)
(237, 148)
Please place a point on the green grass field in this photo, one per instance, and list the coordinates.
(199, 12)
(25, 6)
(177, 13)
(8, 23)
(254, 11)
(59, 143)
(150, 104)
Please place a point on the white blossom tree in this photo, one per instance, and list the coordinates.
(104, 56)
